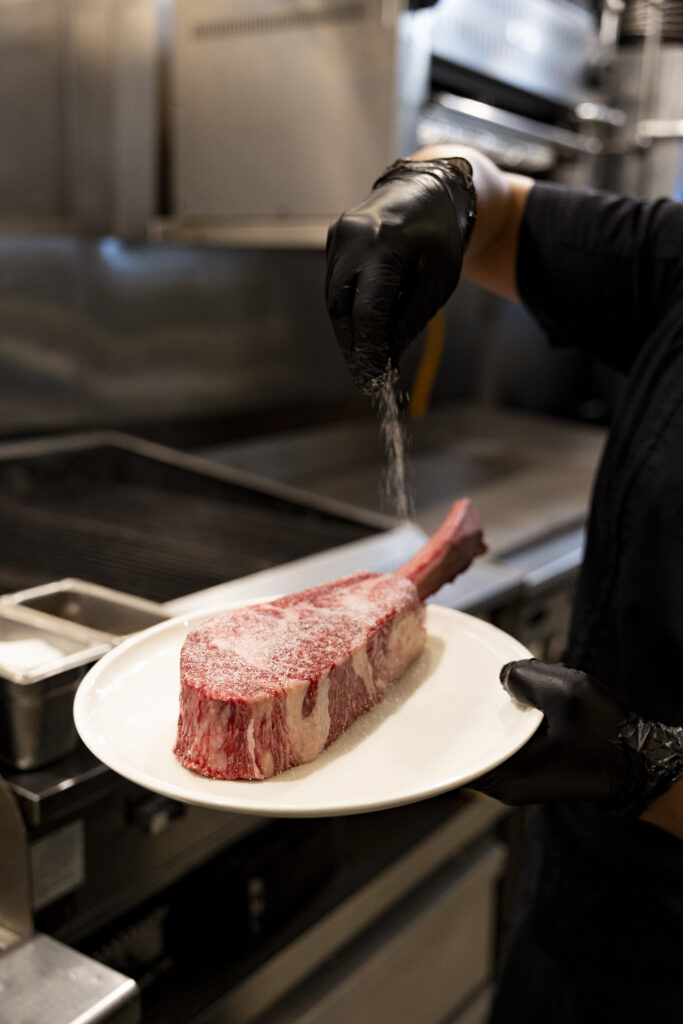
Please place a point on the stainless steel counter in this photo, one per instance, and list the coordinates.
(43, 980)
(529, 476)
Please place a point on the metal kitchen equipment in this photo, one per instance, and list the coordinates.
(42, 660)
(515, 79)
(130, 880)
(100, 315)
(647, 81)
(151, 522)
(318, 96)
(504, 75)
(113, 614)
(85, 155)
(543, 48)
(49, 636)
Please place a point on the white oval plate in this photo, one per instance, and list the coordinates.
(446, 722)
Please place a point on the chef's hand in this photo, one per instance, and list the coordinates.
(586, 748)
(393, 260)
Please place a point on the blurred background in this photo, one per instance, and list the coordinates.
(169, 169)
(178, 431)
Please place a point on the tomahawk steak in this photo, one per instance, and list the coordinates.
(266, 687)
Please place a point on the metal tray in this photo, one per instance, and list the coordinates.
(110, 612)
(42, 660)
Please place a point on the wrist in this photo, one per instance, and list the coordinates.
(653, 756)
(448, 176)
(666, 811)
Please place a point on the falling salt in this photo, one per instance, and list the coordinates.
(395, 492)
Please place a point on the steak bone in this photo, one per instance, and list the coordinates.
(448, 552)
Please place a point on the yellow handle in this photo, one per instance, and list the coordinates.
(428, 367)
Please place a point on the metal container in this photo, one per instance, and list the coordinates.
(42, 660)
(107, 611)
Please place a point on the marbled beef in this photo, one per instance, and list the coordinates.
(270, 686)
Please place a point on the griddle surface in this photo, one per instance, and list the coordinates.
(114, 517)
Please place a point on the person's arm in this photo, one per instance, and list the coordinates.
(490, 260)
(598, 271)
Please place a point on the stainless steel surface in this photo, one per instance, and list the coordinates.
(549, 561)
(45, 982)
(42, 660)
(529, 476)
(33, 179)
(541, 46)
(272, 233)
(486, 585)
(86, 324)
(67, 819)
(36, 648)
(61, 790)
(425, 960)
(590, 112)
(290, 69)
(16, 915)
(647, 81)
(512, 141)
(660, 128)
(158, 843)
(264, 987)
(92, 505)
(643, 18)
(561, 139)
(369, 62)
(107, 611)
(542, 615)
(113, 79)
(85, 155)
(437, 125)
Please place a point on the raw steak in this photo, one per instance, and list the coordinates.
(270, 686)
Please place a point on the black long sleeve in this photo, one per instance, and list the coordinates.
(600, 272)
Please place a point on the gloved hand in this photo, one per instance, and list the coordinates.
(393, 260)
(587, 747)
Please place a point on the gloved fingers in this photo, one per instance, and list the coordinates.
(418, 304)
(569, 697)
(341, 315)
(537, 683)
(521, 680)
(340, 292)
(363, 288)
(378, 296)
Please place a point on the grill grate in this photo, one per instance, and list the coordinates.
(123, 520)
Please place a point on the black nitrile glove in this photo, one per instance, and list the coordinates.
(586, 748)
(393, 260)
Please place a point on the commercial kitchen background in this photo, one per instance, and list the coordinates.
(175, 418)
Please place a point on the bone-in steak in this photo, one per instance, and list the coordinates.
(270, 686)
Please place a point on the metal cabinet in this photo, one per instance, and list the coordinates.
(420, 963)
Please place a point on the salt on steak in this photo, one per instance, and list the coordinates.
(270, 686)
